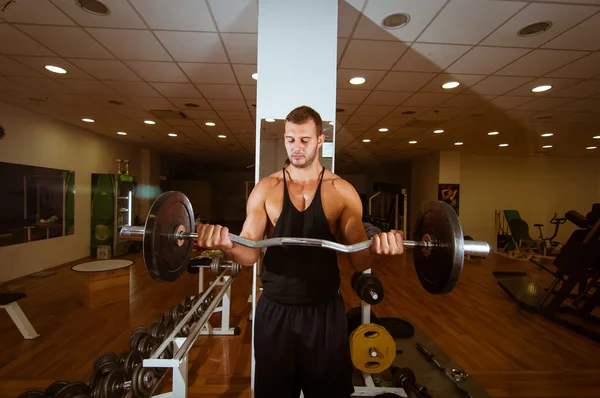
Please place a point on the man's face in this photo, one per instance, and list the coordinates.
(302, 143)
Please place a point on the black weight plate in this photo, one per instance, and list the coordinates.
(440, 270)
(112, 386)
(103, 359)
(398, 328)
(161, 318)
(142, 381)
(353, 317)
(32, 394)
(55, 387)
(72, 389)
(133, 359)
(95, 378)
(165, 258)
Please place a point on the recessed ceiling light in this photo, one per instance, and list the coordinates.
(211, 124)
(458, 143)
(121, 133)
(591, 147)
(269, 120)
(547, 135)
(384, 129)
(493, 133)
(367, 140)
(222, 136)
(503, 145)
(172, 135)
(412, 142)
(88, 120)
(255, 76)
(540, 89)
(547, 146)
(93, 7)
(596, 137)
(450, 85)
(395, 21)
(357, 80)
(56, 69)
(535, 28)
(149, 122)
(438, 131)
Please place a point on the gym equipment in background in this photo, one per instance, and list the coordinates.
(577, 264)
(384, 210)
(438, 257)
(548, 245)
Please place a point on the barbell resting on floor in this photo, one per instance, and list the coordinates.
(169, 232)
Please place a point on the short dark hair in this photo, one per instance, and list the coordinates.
(303, 114)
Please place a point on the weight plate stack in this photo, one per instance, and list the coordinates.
(142, 381)
(73, 389)
(55, 387)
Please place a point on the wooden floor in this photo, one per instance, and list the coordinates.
(509, 352)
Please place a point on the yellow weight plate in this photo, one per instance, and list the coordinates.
(372, 348)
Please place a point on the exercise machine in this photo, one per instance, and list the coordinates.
(384, 208)
(578, 264)
(548, 245)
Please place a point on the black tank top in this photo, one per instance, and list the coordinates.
(297, 274)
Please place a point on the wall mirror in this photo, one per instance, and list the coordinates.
(272, 147)
(37, 203)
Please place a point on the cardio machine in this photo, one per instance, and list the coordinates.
(549, 246)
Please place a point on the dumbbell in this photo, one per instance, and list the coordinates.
(116, 385)
(367, 287)
(406, 379)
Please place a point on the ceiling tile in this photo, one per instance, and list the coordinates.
(243, 73)
(421, 13)
(348, 13)
(38, 63)
(133, 89)
(498, 84)
(241, 47)
(106, 69)
(249, 92)
(585, 36)
(167, 72)
(9, 85)
(229, 116)
(35, 12)
(540, 62)
(563, 17)
(542, 104)
(508, 102)
(175, 14)
(180, 90)
(20, 43)
(153, 103)
(220, 91)
(235, 15)
(134, 45)
(466, 81)
(583, 68)
(405, 81)
(181, 103)
(426, 99)
(579, 90)
(348, 96)
(556, 83)
(465, 101)
(374, 110)
(341, 46)
(386, 97)
(348, 109)
(209, 73)
(410, 111)
(180, 122)
(441, 113)
(193, 46)
(227, 105)
(367, 54)
(580, 105)
(373, 78)
(423, 57)
(43, 85)
(486, 60)
(66, 41)
(121, 15)
(459, 14)
(89, 86)
(10, 67)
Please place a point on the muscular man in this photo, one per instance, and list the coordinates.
(300, 331)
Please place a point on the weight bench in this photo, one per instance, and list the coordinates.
(8, 301)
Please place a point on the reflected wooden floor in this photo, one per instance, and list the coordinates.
(509, 352)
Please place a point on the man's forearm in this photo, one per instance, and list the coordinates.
(242, 254)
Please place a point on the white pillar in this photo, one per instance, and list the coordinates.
(297, 65)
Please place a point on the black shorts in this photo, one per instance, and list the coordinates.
(302, 348)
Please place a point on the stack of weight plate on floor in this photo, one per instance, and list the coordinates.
(60, 389)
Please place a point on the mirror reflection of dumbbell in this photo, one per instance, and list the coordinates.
(116, 385)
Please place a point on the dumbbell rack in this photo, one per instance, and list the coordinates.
(179, 362)
(370, 389)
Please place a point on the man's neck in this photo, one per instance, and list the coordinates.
(307, 174)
